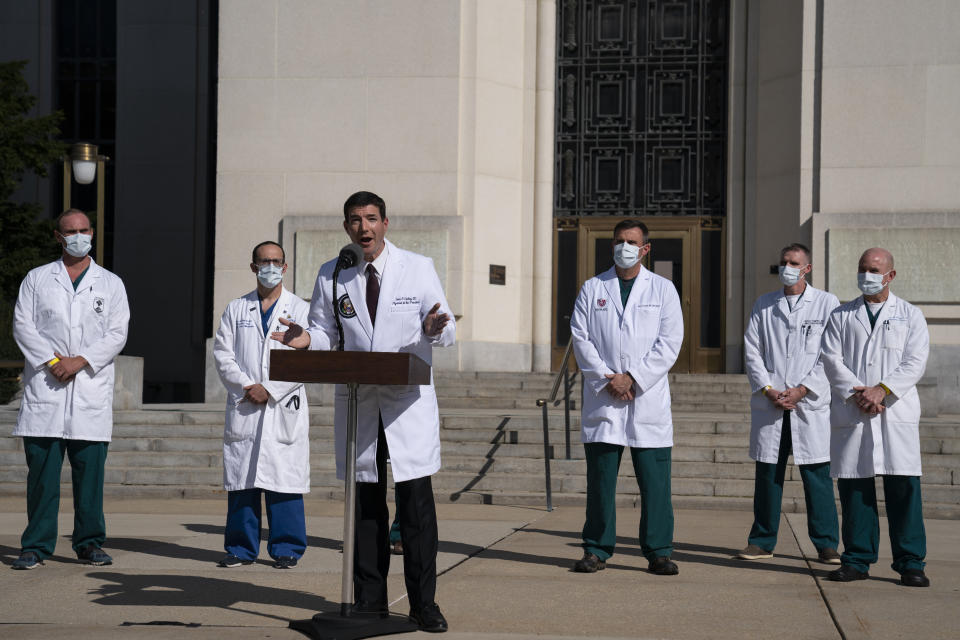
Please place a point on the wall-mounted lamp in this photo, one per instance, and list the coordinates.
(85, 165)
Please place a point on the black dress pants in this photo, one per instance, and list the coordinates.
(418, 528)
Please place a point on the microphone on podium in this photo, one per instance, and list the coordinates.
(350, 256)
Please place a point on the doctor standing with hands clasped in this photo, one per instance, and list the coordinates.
(790, 406)
(627, 328)
(392, 301)
(70, 322)
(266, 446)
(875, 351)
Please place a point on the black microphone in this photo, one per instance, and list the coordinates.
(351, 255)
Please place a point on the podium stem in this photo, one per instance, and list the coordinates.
(349, 501)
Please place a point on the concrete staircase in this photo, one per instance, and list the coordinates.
(492, 439)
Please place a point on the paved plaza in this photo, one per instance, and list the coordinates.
(505, 574)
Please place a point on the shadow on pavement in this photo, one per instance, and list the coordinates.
(191, 591)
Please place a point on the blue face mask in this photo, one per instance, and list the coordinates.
(270, 275)
(871, 283)
(77, 244)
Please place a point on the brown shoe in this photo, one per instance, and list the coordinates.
(589, 563)
(397, 548)
(828, 556)
(753, 552)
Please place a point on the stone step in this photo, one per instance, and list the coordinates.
(723, 448)
(494, 463)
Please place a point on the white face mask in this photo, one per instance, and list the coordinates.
(626, 255)
(790, 276)
(871, 283)
(77, 244)
(270, 275)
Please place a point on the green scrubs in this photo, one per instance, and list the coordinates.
(822, 524)
(44, 461)
(861, 522)
(652, 469)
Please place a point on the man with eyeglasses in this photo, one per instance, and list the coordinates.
(266, 447)
(70, 322)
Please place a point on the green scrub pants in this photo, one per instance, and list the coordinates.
(652, 469)
(44, 461)
(861, 522)
(822, 524)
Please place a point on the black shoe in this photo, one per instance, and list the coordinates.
(27, 560)
(285, 562)
(93, 555)
(589, 563)
(846, 573)
(663, 566)
(371, 607)
(229, 561)
(429, 618)
(914, 578)
(397, 548)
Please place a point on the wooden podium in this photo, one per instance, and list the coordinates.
(351, 368)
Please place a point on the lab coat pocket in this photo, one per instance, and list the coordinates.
(845, 414)
(287, 415)
(812, 336)
(407, 319)
(894, 334)
(242, 422)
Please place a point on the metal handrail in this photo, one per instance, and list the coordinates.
(543, 403)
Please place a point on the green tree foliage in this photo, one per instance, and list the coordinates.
(27, 144)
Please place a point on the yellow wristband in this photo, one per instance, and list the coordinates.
(764, 390)
(885, 388)
(53, 362)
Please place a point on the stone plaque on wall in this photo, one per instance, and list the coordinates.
(313, 248)
(921, 257)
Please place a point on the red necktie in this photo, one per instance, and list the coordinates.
(373, 293)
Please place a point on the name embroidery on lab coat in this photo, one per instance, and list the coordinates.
(405, 303)
(601, 304)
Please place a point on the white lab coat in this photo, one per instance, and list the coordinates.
(782, 349)
(895, 353)
(90, 322)
(264, 446)
(642, 338)
(409, 287)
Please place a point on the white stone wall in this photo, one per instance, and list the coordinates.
(321, 99)
(891, 95)
(433, 105)
(889, 158)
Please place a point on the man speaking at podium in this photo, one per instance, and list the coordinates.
(391, 301)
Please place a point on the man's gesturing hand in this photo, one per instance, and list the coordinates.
(294, 336)
(434, 323)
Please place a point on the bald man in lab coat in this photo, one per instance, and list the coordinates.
(875, 350)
